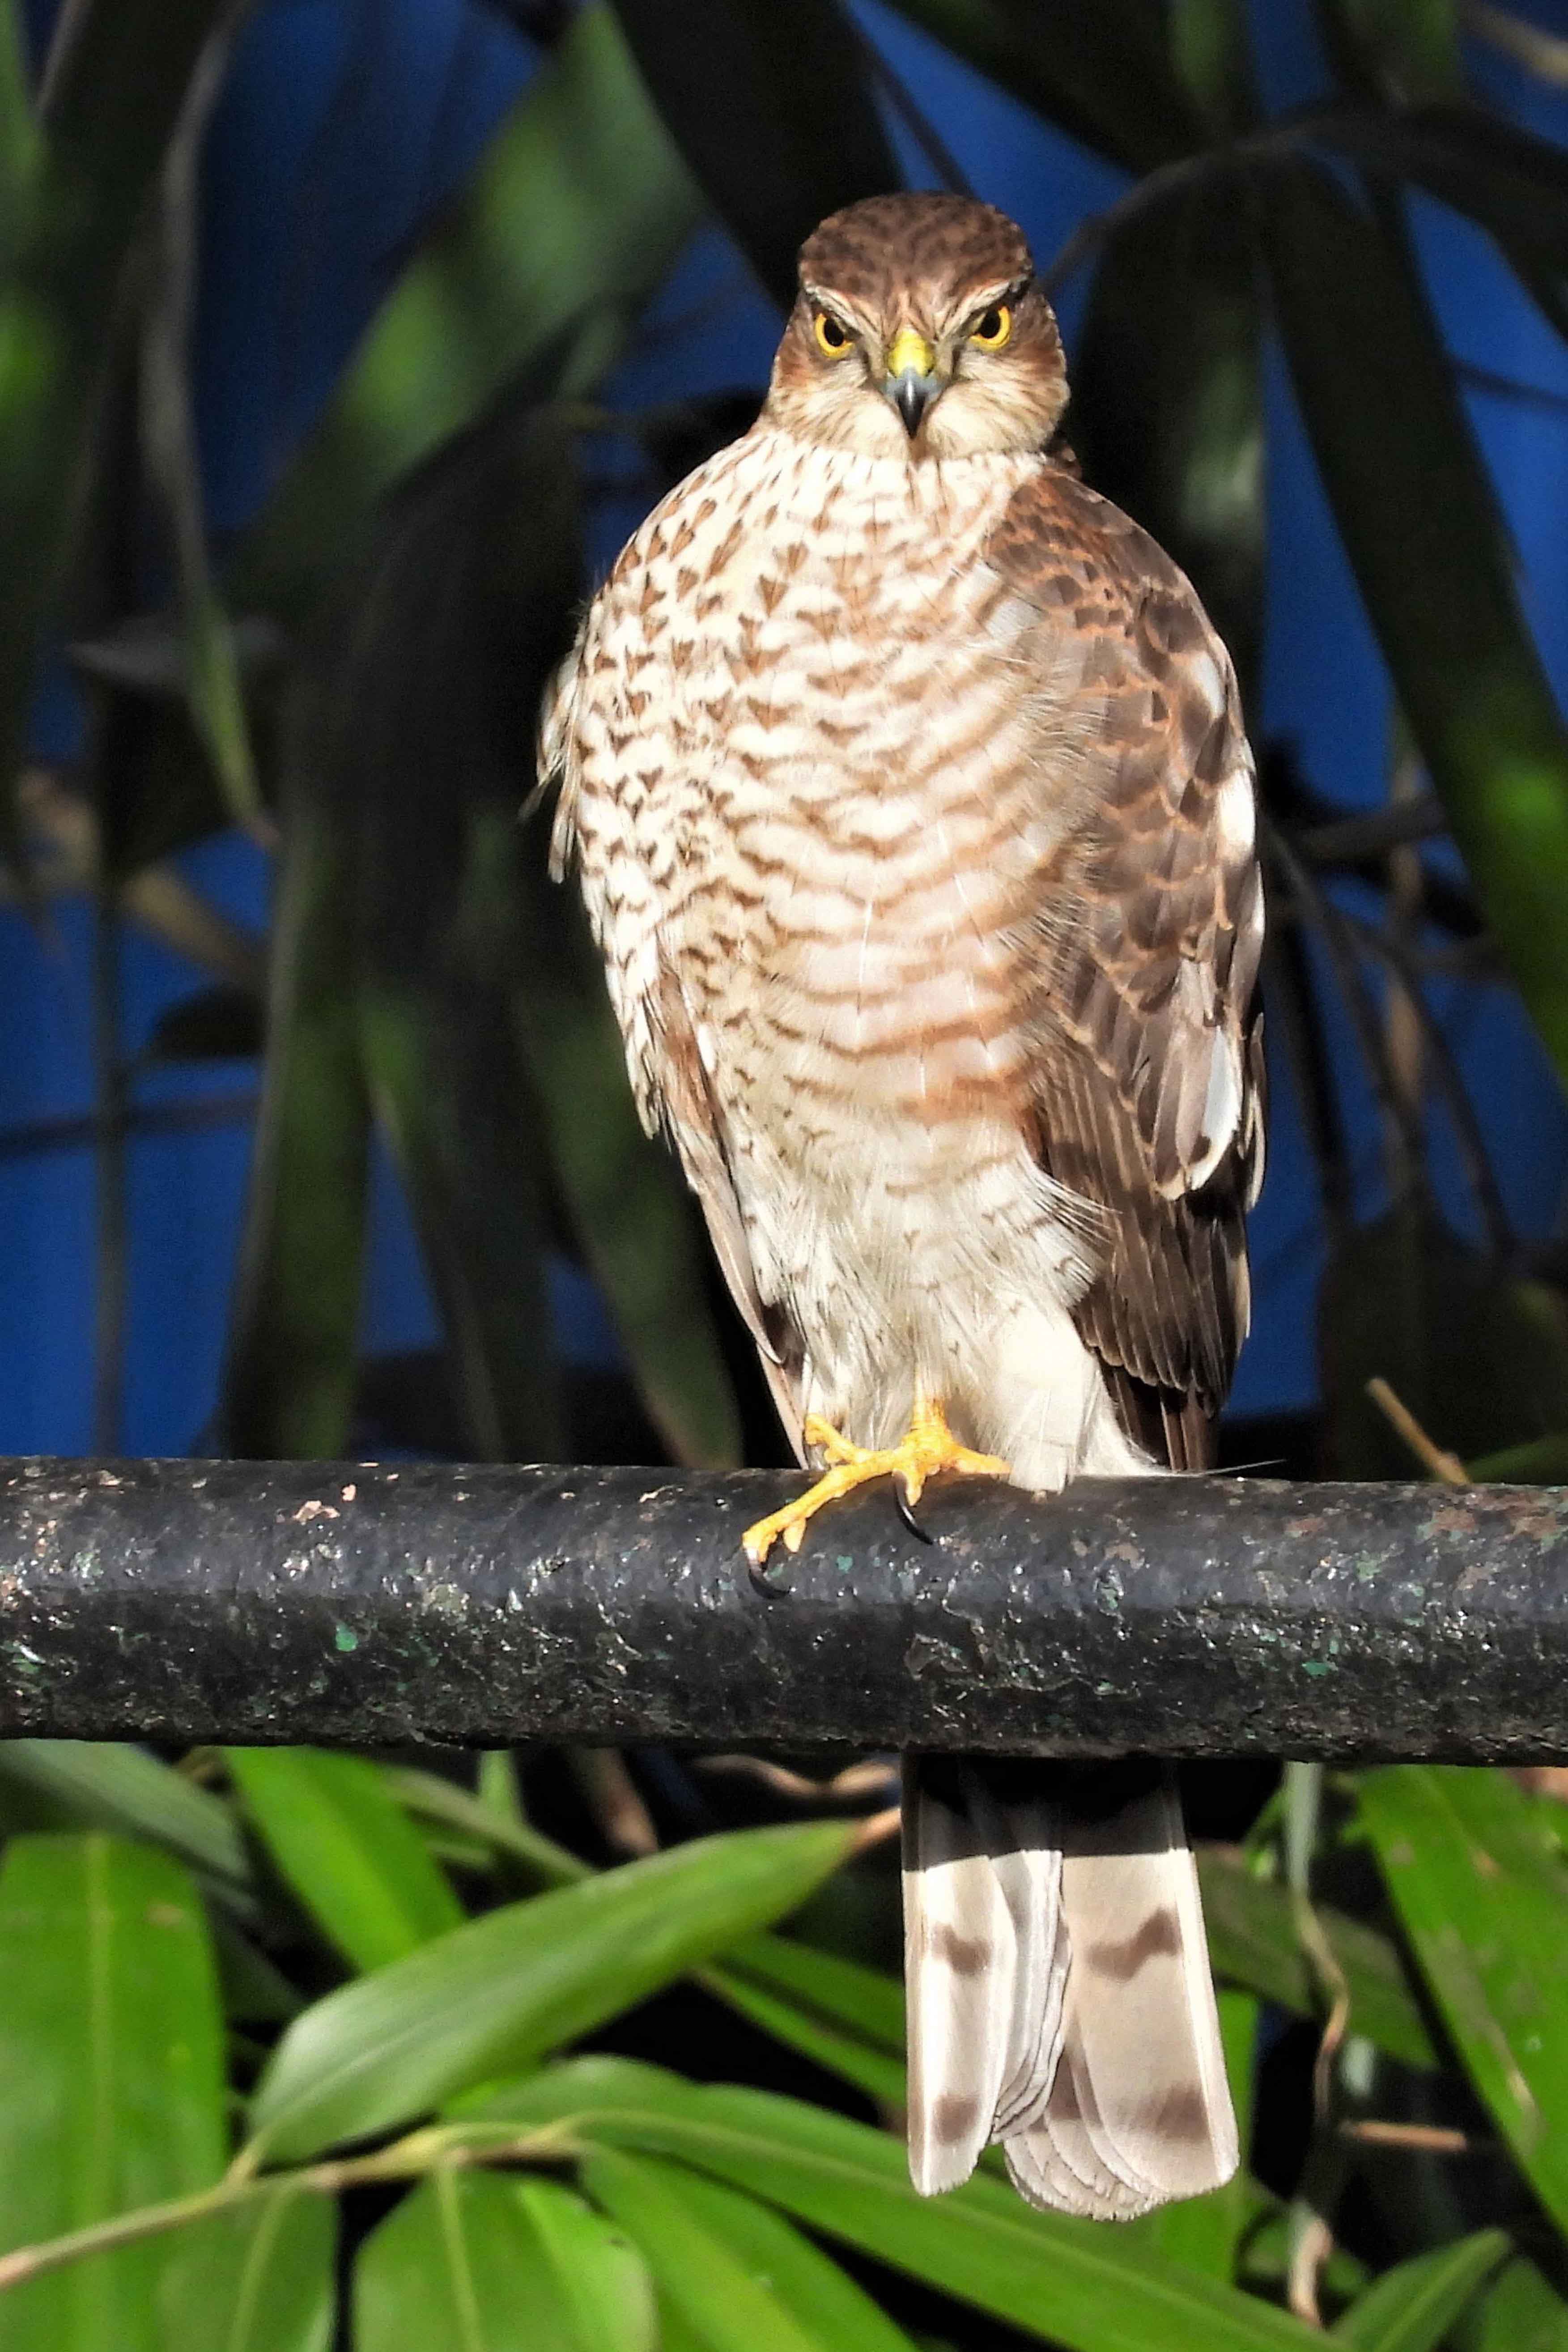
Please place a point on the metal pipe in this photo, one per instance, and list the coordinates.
(422, 1603)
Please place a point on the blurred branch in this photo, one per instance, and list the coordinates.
(211, 680)
(1292, 1004)
(118, 79)
(1404, 962)
(1540, 53)
(63, 835)
(946, 166)
(75, 1132)
(1353, 840)
(1326, 920)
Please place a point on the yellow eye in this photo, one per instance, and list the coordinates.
(992, 329)
(831, 337)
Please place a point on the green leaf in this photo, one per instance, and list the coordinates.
(586, 162)
(846, 1991)
(1520, 2314)
(1382, 413)
(1482, 1893)
(347, 1849)
(260, 2278)
(1542, 1463)
(289, 1383)
(1412, 2307)
(507, 1987)
(777, 2257)
(464, 2262)
(1167, 410)
(430, 1797)
(76, 202)
(112, 2079)
(1253, 1943)
(729, 2307)
(601, 2280)
(1401, 50)
(1072, 2282)
(211, 664)
(870, 2069)
(1107, 74)
(441, 652)
(1481, 1359)
(91, 1784)
(773, 113)
(626, 1203)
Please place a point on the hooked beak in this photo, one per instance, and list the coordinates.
(911, 383)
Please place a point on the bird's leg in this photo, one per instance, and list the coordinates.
(928, 1447)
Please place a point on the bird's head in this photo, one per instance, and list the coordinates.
(921, 331)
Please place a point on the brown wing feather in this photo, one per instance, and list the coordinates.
(1147, 1095)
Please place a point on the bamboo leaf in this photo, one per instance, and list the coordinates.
(487, 306)
(725, 2303)
(506, 1988)
(783, 2262)
(846, 1992)
(1520, 2314)
(1104, 70)
(1071, 2283)
(91, 1784)
(1253, 1943)
(1167, 410)
(600, 2277)
(1413, 2306)
(112, 2079)
(464, 2262)
(347, 1849)
(288, 1382)
(1399, 51)
(76, 195)
(1482, 1893)
(430, 1797)
(1383, 418)
(625, 1202)
(439, 655)
(876, 2071)
(772, 111)
(260, 2278)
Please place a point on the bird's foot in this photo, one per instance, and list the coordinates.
(928, 1448)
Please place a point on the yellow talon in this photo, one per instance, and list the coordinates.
(928, 1448)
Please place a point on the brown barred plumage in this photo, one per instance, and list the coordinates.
(913, 810)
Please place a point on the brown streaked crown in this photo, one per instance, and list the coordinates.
(887, 247)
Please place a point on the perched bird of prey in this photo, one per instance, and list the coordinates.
(914, 815)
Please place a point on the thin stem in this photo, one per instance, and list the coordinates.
(110, 1123)
(1438, 1463)
(1403, 959)
(921, 130)
(1315, 906)
(406, 2159)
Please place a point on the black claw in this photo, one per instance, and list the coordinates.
(770, 1578)
(906, 1513)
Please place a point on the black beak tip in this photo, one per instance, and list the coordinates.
(910, 400)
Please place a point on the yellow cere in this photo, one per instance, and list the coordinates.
(911, 351)
(992, 329)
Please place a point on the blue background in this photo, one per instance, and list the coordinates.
(344, 125)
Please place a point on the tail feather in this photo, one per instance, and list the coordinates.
(1059, 1995)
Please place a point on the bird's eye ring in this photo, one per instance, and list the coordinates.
(831, 337)
(992, 329)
